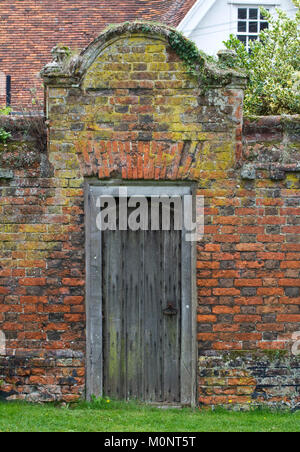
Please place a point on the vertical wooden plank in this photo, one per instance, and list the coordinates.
(153, 305)
(123, 290)
(133, 289)
(113, 313)
(94, 368)
(188, 321)
(172, 323)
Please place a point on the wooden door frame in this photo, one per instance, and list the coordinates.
(94, 320)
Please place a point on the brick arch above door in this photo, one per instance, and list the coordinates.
(128, 107)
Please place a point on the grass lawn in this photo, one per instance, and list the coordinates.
(101, 416)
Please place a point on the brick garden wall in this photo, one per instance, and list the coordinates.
(41, 272)
(138, 114)
(249, 273)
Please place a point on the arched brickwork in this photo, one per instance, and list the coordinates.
(138, 114)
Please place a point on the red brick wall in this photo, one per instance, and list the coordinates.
(41, 280)
(248, 269)
(249, 273)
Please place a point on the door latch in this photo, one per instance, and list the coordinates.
(170, 310)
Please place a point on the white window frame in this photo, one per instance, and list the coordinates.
(270, 5)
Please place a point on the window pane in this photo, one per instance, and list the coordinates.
(253, 27)
(242, 13)
(242, 38)
(242, 27)
(253, 13)
(264, 26)
(253, 38)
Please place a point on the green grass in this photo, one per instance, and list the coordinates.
(131, 417)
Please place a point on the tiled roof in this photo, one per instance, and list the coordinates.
(29, 29)
(177, 11)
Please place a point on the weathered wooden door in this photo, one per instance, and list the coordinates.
(141, 278)
(140, 327)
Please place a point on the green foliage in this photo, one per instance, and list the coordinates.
(193, 58)
(99, 402)
(206, 68)
(273, 66)
(186, 50)
(4, 136)
(5, 111)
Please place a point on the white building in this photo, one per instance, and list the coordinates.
(210, 22)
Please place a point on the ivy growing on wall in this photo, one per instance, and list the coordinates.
(187, 51)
